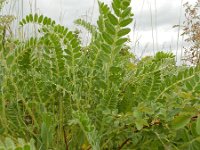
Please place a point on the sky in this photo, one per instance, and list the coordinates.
(152, 29)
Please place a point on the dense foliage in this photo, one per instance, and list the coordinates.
(57, 94)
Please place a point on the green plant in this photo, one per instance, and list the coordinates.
(9, 144)
(67, 96)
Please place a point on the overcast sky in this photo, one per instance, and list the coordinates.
(153, 18)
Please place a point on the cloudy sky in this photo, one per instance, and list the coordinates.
(152, 27)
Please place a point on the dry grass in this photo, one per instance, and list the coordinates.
(191, 30)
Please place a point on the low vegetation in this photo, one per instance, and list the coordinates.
(57, 94)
